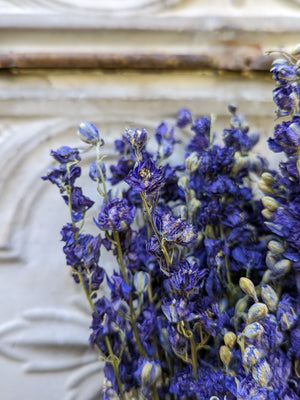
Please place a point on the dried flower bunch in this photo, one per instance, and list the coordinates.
(204, 300)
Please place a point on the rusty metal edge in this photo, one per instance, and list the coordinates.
(70, 60)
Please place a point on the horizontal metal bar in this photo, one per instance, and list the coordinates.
(227, 60)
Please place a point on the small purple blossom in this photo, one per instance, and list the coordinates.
(286, 98)
(66, 154)
(146, 177)
(185, 277)
(165, 138)
(80, 203)
(116, 215)
(175, 229)
(95, 169)
(137, 138)
(184, 117)
(283, 73)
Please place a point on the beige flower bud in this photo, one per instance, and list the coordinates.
(270, 203)
(265, 188)
(266, 213)
(276, 247)
(192, 162)
(230, 339)
(257, 312)
(225, 355)
(282, 267)
(269, 297)
(268, 178)
(247, 287)
(253, 331)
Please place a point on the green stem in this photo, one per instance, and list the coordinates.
(81, 280)
(211, 131)
(163, 248)
(156, 397)
(228, 276)
(194, 357)
(115, 366)
(132, 316)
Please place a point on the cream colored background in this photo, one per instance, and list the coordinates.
(44, 323)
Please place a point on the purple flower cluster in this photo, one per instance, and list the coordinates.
(203, 298)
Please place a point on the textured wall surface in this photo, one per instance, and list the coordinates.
(121, 63)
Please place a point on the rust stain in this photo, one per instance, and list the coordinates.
(230, 58)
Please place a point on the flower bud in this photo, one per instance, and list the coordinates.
(194, 205)
(253, 331)
(257, 312)
(151, 373)
(269, 297)
(141, 281)
(265, 188)
(266, 277)
(225, 355)
(262, 373)
(183, 212)
(88, 133)
(266, 213)
(230, 339)
(270, 260)
(251, 356)
(247, 287)
(241, 163)
(287, 317)
(268, 178)
(276, 228)
(192, 162)
(137, 138)
(282, 267)
(276, 247)
(270, 203)
(183, 183)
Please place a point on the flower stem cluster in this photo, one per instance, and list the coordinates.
(203, 301)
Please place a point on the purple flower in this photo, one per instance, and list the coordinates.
(184, 117)
(137, 138)
(118, 288)
(146, 177)
(116, 215)
(185, 277)
(286, 98)
(175, 229)
(165, 139)
(286, 136)
(210, 383)
(61, 177)
(283, 73)
(201, 126)
(106, 322)
(95, 171)
(178, 309)
(66, 154)
(286, 314)
(201, 139)
(121, 170)
(80, 203)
